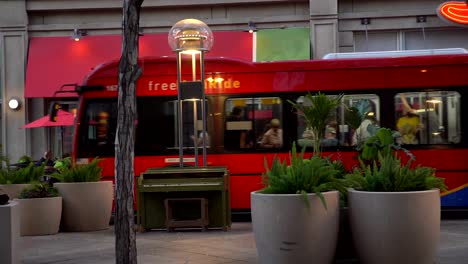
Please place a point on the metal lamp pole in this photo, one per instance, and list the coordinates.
(190, 39)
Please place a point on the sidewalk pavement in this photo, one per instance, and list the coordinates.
(192, 246)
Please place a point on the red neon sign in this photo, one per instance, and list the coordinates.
(455, 12)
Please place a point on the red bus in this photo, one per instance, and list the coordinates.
(436, 86)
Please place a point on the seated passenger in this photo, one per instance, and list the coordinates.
(330, 139)
(200, 139)
(235, 138)
(307, 139)
(273, 138)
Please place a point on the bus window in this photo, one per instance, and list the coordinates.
(157, 130)
(248, 119)
(354, 120)
(97, 129)
(359, 118)
(156, 126)
(428, 117)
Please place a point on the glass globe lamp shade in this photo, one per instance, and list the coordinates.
(190, 35)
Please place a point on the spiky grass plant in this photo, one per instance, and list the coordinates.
(389, 175)
(317, 110)
(302, 176)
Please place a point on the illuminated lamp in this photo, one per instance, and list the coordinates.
(191, 37)
(14, 103)
(454, 12)
(251, 27)
(78, 34)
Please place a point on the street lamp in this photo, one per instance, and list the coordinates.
(190, 39)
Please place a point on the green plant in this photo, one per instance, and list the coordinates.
(391, 176)
(90, 172)
(62, 165)
(29, 174)
(352, 117)
(317, 110)
(381, 169)
(302, 176)
(383, 142)
(25, 160)
(39, 190)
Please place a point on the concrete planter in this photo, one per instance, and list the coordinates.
(87, 206)
(13, 190)
(395, 227)
(287, 231)
(40, 216)
(9, 232)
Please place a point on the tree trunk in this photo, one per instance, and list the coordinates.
(129, 72)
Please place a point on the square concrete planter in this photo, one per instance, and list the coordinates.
(9, 232)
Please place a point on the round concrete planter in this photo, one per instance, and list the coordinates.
(287, 231)
(395, 227)
(87, 206)
(13, 190)
(40, 216)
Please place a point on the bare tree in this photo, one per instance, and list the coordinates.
(129, 72)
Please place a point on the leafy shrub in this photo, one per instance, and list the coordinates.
(382, 171)
(383, 142)
(90, 172)
(63, 164)
(28, 174)
(302, 176)
(39, 190)
(391, 176)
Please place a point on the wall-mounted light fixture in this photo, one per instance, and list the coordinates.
(365, 21)
(251, 27)
(78, 34)
(14, 103)
(421, 19)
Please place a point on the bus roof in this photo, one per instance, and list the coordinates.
(393, 54)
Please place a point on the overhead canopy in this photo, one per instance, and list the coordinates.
(55, 61)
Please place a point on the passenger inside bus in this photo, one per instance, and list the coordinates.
(236, 130)
(307, 138)
(367, 128)
(330, 139)
(273, 138)
(199, 139)
(408, 124)
(425, 121)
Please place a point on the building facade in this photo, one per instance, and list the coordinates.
(32, 32)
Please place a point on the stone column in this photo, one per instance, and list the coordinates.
(9, 232)
(323, 27)
(13, 54)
